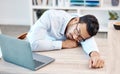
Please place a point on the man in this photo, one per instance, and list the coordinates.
(56, 29)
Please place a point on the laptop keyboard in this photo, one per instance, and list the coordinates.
(37, 63)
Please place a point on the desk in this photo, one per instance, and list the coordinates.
(114, 44)
(68, 61)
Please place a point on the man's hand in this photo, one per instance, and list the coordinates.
(69, 44)
(95, 60)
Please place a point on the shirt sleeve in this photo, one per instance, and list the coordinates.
(45, 45)
(40, 41)
(89, 45)
(39, 38)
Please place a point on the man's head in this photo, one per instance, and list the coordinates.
(82, 28)
(92, 24)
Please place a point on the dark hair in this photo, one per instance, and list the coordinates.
(92, 24)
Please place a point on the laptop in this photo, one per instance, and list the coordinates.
(19, 52)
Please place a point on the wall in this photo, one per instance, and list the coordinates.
(102, 16)
(14, 12)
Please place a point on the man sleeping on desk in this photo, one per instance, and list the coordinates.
(57, 29)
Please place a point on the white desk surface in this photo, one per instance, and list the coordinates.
(69, 61)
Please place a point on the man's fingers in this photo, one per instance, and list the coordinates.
(98, 64)
(94, 63)
(102, 64)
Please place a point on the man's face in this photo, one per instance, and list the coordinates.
(77, 31)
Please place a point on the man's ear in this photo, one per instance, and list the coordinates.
(76, 19)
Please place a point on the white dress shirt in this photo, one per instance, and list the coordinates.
(49, 32)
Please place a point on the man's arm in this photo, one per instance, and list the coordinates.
(91, 49)
(89, 45)
(40, 39)
(69, 44)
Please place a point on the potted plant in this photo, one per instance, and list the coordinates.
(113, 15)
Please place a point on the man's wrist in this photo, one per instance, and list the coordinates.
(63, 45)
(94, 53)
